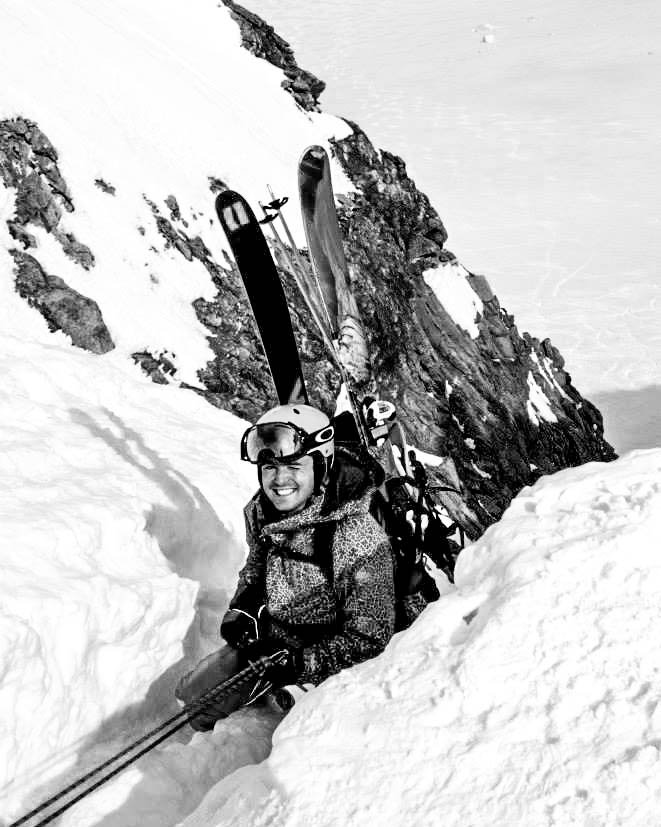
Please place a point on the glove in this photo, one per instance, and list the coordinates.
(241, 628)
(213, 670)
(285, 672)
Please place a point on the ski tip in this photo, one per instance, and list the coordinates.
(227, 198)
(313, 160)
(233, 210)
(314, 151)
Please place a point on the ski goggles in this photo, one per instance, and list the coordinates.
(281, 442)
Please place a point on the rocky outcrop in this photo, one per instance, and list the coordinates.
(157, 366)
(496, 408)
(500, 407)
(28, 164)
(104, 186)
(263, 41)
(63, 308)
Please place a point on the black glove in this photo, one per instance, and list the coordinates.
(241, 628)
(287, 666)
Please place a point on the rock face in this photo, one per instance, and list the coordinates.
(499, 407)
(28, 164)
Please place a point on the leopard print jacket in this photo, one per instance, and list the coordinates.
(337, 611)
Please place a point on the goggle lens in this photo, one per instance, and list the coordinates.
(273, 440)
(281, 441)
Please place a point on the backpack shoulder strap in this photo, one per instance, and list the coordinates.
(323, 548)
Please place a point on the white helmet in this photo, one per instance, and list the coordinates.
(289, 432)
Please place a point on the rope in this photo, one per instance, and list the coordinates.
(254, 670)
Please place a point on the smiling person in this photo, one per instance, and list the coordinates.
(318, 581)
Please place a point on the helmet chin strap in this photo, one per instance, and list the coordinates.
(322, 468)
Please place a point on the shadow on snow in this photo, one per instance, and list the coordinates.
(197, 546)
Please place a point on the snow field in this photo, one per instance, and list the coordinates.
(528, 696)
(167, 784)
(120, 537)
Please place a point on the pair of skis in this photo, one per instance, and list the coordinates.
(325, 287)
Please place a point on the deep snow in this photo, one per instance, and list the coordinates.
(527, 696)
(121, 527)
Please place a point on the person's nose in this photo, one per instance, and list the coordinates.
(282, 474)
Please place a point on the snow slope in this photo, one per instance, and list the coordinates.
(538, 147)
(120, 538)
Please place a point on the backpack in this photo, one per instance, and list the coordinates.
(413, 526)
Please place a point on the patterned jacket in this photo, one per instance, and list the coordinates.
(334, 600)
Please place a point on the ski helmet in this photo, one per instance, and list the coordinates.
(288, 432)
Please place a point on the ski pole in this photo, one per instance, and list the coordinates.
(324, 330)
(255, 669)
(360, 424)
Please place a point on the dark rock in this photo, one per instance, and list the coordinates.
(20, 234)
(483, 289)
(104, 186)
(262, 40)
(28, 163)
(63, 308)
(35, 203)
(217, 185)
(157, 366)
(173, 206)
(80, 253)
(183, 246)
(417, 349)
(198, 248)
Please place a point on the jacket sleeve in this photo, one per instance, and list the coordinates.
(363, 581)
(249, 594)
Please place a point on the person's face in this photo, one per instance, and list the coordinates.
(289, 486)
